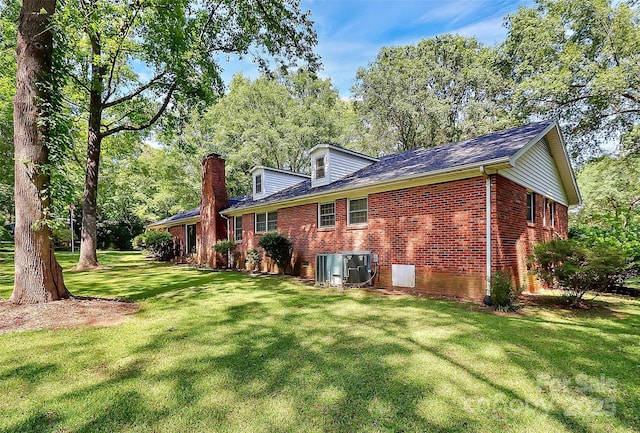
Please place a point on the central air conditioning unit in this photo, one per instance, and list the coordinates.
(348, 267)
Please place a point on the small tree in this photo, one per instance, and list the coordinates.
(277, 247)
(226, 248)
(577, 268)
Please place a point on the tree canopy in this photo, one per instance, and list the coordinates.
(443, 89)
(272, 120)
(579, 60)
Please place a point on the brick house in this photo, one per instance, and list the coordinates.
(437, 220)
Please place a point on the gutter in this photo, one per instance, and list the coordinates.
(487, 297)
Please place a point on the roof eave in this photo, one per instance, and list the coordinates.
(167, 224)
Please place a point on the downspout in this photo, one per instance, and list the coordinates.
(487, 297)
(228, 251)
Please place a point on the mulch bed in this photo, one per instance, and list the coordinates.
(66, 313)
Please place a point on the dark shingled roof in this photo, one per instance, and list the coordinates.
(195, 212)
(421, 161)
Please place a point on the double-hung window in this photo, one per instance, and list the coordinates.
(258, 185)
(266, 222)
(327, 214)
(531, 206)
(320, 168)
(358, 211)
(237, 228)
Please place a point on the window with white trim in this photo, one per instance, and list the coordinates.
(237, 229)
(327, 214)
(552, 214)
(266, 222)
(320, 168)
(358, 211)
(258, 184)
(531, 207)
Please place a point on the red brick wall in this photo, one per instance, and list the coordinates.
(438, 228)
(179, 236)
(513, 237)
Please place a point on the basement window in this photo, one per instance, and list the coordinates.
(267, 221)
(358, 211)
(531, 206)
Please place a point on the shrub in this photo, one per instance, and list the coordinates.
(578, 268)
(225, 247)
(158, 245)
(253, 258)
(503, 294)
(61, 236)
(278, 247)
(4, 232)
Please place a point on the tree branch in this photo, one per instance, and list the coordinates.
(139, 90)
(124, 31)
(150, 122)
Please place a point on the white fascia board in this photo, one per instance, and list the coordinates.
(341, 149)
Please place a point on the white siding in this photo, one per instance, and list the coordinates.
(537, 171)
(274, 181)
(338, 165)
(343, 164)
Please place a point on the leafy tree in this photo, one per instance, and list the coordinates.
(611, 204)
(277, 247)
(38, 276)
(268, 121)
(443, 89)
(177, 43)
(579, 60)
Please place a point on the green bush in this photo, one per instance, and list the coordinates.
(4, 232)
(225, 247)
(61, 236)
(577, 268)
(503, 294)
(158, 245)
(278, 247)
(254, 258)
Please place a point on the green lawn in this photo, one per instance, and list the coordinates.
(232, 353)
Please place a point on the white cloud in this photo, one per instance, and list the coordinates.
(490, 31)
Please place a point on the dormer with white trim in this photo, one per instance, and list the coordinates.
(267, 180)
(330, 163)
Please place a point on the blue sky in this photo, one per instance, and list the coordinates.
(351, 32)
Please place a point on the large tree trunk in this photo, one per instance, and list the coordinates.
(38, 276)
(89, 235)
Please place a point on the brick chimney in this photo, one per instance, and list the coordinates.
(213, 199)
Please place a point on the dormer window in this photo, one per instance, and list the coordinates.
(320, 168)
(258, 189)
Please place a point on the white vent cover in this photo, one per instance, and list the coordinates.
(403, 275)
